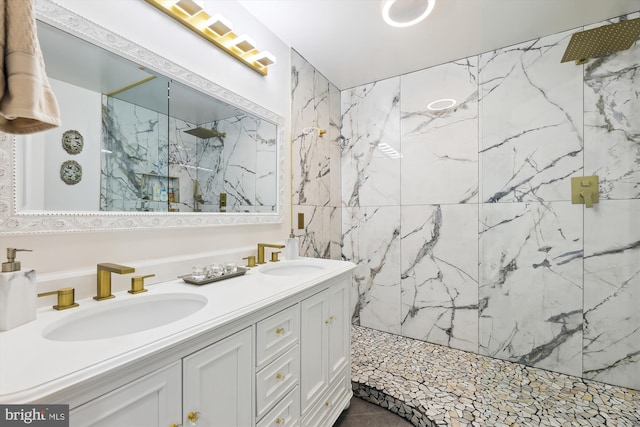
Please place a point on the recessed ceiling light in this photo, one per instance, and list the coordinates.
(441, 104)
(405, 13)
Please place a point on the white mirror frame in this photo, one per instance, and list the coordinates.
(14, 222)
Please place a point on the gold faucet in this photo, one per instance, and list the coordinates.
(104, 278)
(261, 247)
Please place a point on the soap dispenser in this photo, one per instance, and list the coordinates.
(17, 293)
(291, 247)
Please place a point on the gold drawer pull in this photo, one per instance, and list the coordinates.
(175, 425)
(193, 417)
(279, 331)
(278, 376)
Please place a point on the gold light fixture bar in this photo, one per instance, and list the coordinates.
(216, 30)
(602, 41)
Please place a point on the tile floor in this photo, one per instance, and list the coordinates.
(435, 386)
(365, 414)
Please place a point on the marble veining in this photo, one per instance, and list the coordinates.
(440, 282)
(612, 129)
(612, 294)
(531, 284)
(370, 118)
(371, 240)
(316, 176)
(440, 145)
(531, 141)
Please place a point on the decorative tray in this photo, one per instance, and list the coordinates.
(188, 278)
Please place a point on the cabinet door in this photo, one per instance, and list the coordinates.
(339, 329)
(151, 401)
(217, 383)
(314, 342)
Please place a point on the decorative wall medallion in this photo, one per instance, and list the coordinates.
(71, 172)
(72, 141)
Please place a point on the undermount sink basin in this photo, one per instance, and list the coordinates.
(292, 268)
(123, 317)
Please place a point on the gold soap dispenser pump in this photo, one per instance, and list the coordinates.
(17, 293)
(12, 264)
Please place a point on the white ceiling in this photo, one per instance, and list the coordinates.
(347, 41)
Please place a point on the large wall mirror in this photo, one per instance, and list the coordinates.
(144, 143)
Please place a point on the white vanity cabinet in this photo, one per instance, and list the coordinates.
(284, 362)
(212, 385)
(217, 382)
(154, 400)
(325, 339)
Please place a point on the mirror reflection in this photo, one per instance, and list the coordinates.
(134, 140)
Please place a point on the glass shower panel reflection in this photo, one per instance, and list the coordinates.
(134, 175)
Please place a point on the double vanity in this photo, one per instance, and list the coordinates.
(268, 348)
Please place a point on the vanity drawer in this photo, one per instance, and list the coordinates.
(284, 414)
(275, 334)
(330, 406)
(276, 380)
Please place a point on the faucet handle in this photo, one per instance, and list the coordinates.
(66, 298)
(251, 260)
(274, 256)
(137, 284)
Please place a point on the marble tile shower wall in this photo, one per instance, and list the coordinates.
(462, 227)
(316, 186)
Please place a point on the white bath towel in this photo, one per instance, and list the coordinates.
(27, 103)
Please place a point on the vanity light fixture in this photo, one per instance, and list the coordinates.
(219, 25)
(244, 43)
(405, 13)
(441, 104)
(217, 30)
(189, 7)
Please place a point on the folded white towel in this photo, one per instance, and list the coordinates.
(27, 103)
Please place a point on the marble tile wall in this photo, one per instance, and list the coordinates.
(315, 165)
(460, 221)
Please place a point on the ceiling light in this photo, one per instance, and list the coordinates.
(405, 13)
(441, 104)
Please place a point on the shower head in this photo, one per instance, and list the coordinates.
(204, 133)
(602, 41)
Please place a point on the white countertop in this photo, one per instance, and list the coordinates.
(32, 367)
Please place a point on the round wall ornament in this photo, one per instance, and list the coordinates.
(72, 141)
(71, 172)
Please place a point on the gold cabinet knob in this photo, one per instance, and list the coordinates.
(327, 404)
(279, 331)
(175, 425)
(279, 421)
(193, 417)
(278, 376)
(66, 298)
(137, 284)
(330, 320)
